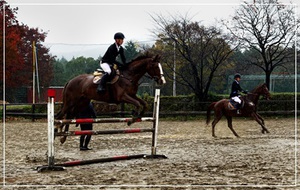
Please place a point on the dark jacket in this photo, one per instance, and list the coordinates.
(112, 53)
(236, 88)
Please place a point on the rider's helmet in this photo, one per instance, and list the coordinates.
(237, 75)
(119, 35)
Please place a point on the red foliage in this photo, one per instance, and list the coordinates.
(18, 51)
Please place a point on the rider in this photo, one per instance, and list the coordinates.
(235, 89)
(109, 59)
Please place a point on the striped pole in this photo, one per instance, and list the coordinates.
(101, 160)
(101, 120)
(105, 132)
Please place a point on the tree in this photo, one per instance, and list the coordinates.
(131, 51)
(13, 59)
(59, 77)
(268, 28)
(80, 65)
(18, 53)
(200, 51)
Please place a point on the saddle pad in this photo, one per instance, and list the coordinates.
(97, 77)
(232, 104)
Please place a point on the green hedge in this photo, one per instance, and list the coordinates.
(278, 101)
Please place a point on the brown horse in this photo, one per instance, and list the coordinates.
(249, 110)
(80, 90)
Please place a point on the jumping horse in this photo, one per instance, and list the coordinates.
(79, 91)
(250, 100)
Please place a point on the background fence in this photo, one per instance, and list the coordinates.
(184, 109)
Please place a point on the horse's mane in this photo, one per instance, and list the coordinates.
(140, 57)
(259, 86)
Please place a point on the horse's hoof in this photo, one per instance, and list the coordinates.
(63, 140)
(129, 123)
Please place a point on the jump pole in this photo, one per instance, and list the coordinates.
(59, 167)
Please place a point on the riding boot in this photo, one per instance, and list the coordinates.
(238, 111)
(87, 141)
(101, 86)
(82, 137)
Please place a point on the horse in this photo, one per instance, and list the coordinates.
(79, 91)
(250, 100)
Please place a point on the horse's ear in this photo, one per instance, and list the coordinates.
(157, 58)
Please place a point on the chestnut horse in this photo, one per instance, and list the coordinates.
(79, 91)
(249, 110)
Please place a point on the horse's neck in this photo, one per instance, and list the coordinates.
(136, 70)
(254, 96)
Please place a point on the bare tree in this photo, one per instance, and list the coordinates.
(267, 27)
(200, 51)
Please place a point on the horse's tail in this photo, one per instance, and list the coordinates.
(64, 92)
(210, 107)
(60, 114)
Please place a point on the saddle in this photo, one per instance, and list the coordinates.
(233, 105)
(99, 73)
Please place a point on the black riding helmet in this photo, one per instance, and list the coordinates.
(237, 75)
(119, 35)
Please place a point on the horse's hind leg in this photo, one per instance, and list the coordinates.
(260, 121)
(229, 122)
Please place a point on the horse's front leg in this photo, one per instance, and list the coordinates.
(131, 100)
(64, 138)
(143, 104)
(260, 121)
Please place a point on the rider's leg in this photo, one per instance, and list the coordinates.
(101, 86)
(107, 70)
(239, 101)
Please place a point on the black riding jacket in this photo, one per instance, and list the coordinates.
(235, 89)
(112, 53)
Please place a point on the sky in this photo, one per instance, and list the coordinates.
(86, 28)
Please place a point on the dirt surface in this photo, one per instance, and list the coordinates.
(196, 160)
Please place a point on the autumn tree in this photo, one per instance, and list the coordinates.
(200, 52)
(18, 53)
(13, 59)
(268, 28)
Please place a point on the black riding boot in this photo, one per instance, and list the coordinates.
(101, 86)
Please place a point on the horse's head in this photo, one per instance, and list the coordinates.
(154, 69)
(263, 90)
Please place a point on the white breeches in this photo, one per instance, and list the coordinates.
(105, 67)
(237, 99)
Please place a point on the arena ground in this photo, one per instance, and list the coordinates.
(196, 160)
